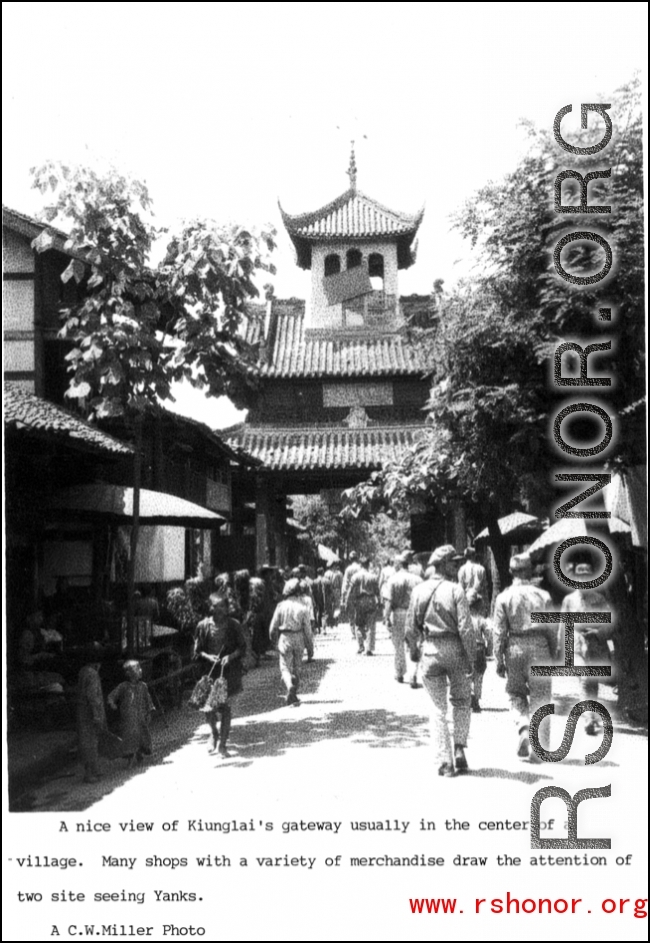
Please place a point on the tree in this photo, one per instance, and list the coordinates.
(138, 328)
(513, 225)
(383, 535)
(491, 339)
(485, 446)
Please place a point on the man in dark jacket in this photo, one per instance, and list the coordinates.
(220, 640)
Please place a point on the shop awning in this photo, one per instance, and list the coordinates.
(557, 533)
(516, 526)
(625, 499)
(293, 523)
(114, 504)
(328, 555)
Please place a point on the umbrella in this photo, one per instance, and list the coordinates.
(291, 522)
(563, 530)
(515, 525)
(327, 555)
(115, 504)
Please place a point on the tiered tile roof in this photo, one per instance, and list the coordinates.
(295, 352)
(321, 448)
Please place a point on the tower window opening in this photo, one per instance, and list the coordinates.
(332, 264)
(353, 258)
(376, 270)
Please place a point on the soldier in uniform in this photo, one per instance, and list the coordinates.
(319, 598)
(387, 570)
(332, 581)
(363, 603)
(472, 576)
(439, 632)
(350, 570)
(518, 644)
(591, 646)
(396, 597)
(481, 634)
(290, 632)
(412, 565)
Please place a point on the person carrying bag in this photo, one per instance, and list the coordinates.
(221, 641)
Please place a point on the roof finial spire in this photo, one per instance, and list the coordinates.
(352, 169)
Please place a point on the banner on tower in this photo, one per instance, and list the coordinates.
(343, 286)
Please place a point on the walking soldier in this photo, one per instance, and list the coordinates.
(518, 644)
(397, 598)
(439, 632)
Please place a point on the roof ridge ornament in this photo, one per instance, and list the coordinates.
(357, 418)
(352, 169)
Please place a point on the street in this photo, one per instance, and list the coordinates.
(337, 805)
(354, 722)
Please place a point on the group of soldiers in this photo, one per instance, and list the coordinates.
(438, 618)
(440, 632)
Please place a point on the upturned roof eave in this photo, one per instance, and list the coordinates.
(410, 222)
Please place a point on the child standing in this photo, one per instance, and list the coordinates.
(134, 702)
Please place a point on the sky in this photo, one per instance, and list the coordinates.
(225, 108)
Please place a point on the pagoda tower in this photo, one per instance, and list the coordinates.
(354, 247)
(342, 388)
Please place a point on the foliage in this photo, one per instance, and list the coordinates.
(491, 339)
(514, 226)
(382, 536)
(138, 328)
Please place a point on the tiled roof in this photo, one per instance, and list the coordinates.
(238, 456)
(31, 227)
(296, 353)
(27, 412)
(352, 215)
(312, 448)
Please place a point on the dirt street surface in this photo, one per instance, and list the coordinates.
(356, 725)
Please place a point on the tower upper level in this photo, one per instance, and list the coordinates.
(354, 247)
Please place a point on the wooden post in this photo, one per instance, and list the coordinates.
(501, 551)
(135, 531)
(460, 528)
(280, 521)
(262, 522)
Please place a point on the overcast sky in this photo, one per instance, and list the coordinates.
(224, 108)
